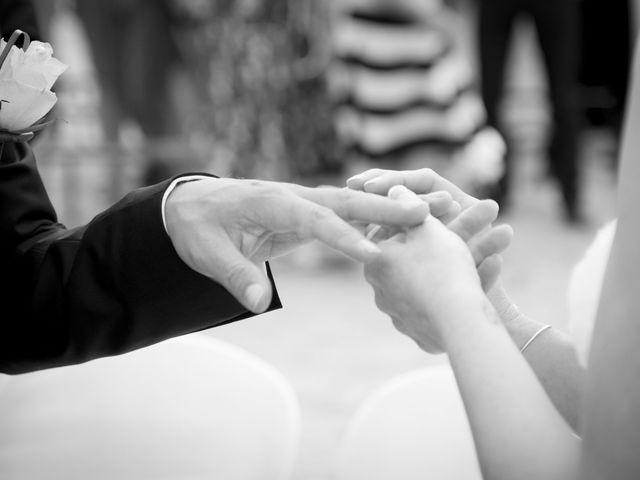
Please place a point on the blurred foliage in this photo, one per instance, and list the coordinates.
(264, 65)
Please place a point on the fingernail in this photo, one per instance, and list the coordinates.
(354, 178)
(371, 183)
(396, 190)
(369, 248)
(253, 295)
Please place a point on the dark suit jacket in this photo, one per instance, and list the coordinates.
(114, 285)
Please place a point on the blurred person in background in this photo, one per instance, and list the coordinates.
(405, 92)
(137, 60)
(557, 23)
(270, 111)
(606, 42)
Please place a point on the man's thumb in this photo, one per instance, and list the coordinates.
(247, 282)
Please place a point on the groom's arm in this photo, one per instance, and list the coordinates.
(111, 286)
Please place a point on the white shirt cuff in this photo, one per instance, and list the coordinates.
(171, 187)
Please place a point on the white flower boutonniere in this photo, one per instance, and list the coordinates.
(26, 78)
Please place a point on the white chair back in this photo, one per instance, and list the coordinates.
(414, 427)
(188, 408)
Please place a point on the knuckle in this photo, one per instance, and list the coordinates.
(370, 273)
(345, 201)
(428, 347)
(384, 263)
(320, 214)
(262, 193)
(399, 325)
(255, 183)
(426, 173)
(381, 304)
(345, 195)
(236, 275)
(272, 188)
(258, 187)
(376, 274)
(379, 300)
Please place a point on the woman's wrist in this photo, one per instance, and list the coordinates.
(520, 327)
(465, 315)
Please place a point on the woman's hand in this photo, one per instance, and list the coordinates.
(422, 181)
(464, 214)
(424, 276)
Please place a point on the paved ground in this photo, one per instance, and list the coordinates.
(329, 340)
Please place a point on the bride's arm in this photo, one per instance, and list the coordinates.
(552, 356)
(517, 431)
(427, 282)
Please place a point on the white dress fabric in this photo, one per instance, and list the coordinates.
(585, 287)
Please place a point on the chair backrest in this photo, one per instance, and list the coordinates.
(188, 408)
(413, 427)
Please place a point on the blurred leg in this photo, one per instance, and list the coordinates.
(606, 40)
(135, 54)
(557, 23)
(106, 25)
(148, 64)
(100, 22)
(496, 19)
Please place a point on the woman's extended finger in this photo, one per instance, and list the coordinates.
(357, 181)
(452, 213)
(474, 219)
(490, 242)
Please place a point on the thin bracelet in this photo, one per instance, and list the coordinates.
(535, 335)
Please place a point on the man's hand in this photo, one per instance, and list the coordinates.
(226, 228)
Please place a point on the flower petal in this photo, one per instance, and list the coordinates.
(6, 71)
(24, 105)
(39, 58)
(35, 67)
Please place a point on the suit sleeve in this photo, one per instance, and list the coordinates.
(111, 286)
